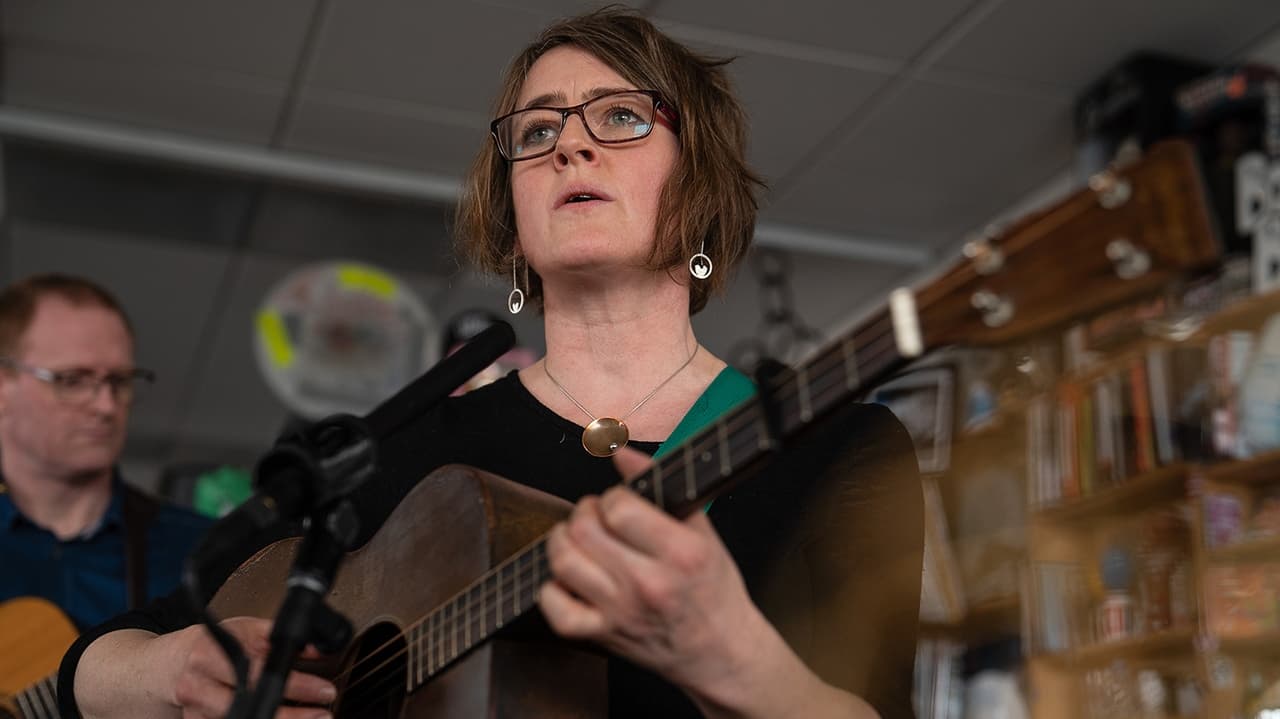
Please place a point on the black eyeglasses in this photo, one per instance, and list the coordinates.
(79, 386)
(624, 116)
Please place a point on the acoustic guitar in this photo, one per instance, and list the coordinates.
(34, 634)
(434, 593)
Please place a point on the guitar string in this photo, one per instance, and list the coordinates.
(785, 393)
(47, 698)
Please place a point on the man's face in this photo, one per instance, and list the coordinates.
(40, 431)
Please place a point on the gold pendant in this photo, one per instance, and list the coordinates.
(604, 437)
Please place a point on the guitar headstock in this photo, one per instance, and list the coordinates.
(1130, 232)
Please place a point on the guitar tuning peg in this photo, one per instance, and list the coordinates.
(986, 257)
(996, 309)
(1129, 260)
(1112, 191)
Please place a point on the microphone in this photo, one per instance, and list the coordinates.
(329, 460)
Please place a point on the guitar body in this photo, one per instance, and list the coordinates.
(34, 634)
(452, 527)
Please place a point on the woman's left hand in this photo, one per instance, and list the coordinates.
(660, 591)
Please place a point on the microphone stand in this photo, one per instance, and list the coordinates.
(331, 531)
(312, 474)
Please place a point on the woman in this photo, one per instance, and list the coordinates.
(600, 209)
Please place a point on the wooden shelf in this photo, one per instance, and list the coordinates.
(1244, 314)
(1161, 645)
(984, 620)
(1266, 644)
(1134, 494)
(1265, 548)
(1256, 470)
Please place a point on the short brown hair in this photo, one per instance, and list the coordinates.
(18, 303)
(710, 196)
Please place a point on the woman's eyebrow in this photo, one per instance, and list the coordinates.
(557, 98)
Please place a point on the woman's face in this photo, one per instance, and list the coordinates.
(616, 228)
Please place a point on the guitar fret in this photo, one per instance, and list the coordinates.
(466, 642)
(409, 639)
(726, 466)
(424, 642)
(484, 609)
(690, 482)
(762, 432)
(437, 651)
(453, 628)
(429, 647)
(850, 363)
(497, 604)
(515, 589)
(802, 378)
(657, 491)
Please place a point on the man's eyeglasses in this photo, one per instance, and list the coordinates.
(610, 119)
(79, 386)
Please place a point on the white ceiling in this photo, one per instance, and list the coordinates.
(887, 128)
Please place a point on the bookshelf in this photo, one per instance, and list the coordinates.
(1117, 421)
(1225, 640)
(1130, 495)
(1159, 645)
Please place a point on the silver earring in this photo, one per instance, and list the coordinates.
(515, 300)
(700, 265)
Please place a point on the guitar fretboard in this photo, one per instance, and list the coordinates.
(679, 483)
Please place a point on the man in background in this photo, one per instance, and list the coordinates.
(71, 531)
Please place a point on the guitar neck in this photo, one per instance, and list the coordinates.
(679, 483)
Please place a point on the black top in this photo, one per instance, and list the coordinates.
(829, 536)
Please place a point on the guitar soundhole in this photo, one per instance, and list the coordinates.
(376, 682)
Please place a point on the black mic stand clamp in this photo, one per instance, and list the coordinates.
(339, 452)
(304, 618)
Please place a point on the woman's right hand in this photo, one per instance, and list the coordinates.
(202, 681)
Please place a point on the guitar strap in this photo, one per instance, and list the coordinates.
(139, 510)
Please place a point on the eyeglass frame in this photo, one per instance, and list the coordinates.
(52, 378)
(661, 108)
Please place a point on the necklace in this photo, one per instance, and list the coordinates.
(606, 435)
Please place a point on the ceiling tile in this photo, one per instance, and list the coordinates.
(418, 56)
(394, 133)
(168, 308)
(895, 30)
(1070, 43)
(232, 403)
(934, 163)
(787, 117)
(311, 226)
(254, 38)
(158, 96)
(124, 197)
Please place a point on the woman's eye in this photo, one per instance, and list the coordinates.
(537, 135)
(623, 117)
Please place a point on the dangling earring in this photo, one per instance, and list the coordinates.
(515, 300)
(700, 264)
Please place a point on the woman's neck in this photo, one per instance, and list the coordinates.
(610, 347)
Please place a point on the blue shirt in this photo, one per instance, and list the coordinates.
(85, 576)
